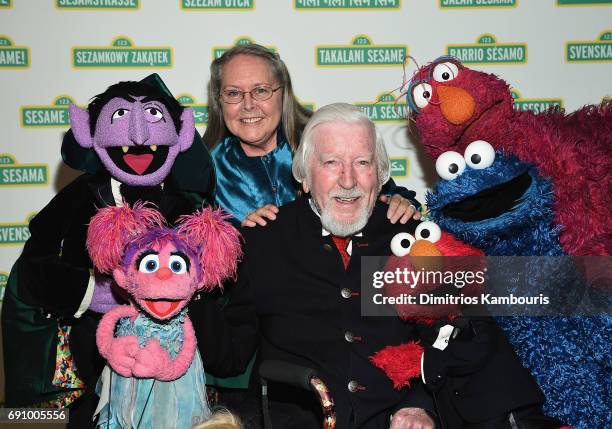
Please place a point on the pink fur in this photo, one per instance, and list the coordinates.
(119, 352)
(153, 361)
(113, 227)
(219, 243)
(400, 363)
(209, 241)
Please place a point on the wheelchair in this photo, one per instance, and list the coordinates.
(300, 377)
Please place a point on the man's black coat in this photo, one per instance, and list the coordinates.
(309, 312)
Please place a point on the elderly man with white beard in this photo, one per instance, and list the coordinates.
(304, 270)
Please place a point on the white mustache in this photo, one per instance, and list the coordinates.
(347, 193)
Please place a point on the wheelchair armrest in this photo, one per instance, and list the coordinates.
(285, 372)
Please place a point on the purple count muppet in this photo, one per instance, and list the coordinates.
(53, 297)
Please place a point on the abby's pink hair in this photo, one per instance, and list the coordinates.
(218, 243)
(113, 227)
(215, 242)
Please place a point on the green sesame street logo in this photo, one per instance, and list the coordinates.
(399, 167)
(5, 4)
(384, 109)
(487, 50)
(536, 105)
(97, 4)
(3, 280)
(12, 234)
(361, 52)
(14, 174)
(200, 111)
(588, 51)
(583, 2)
(217, 51)
(217, 4)
(482, 4)
(13, 57)
(54, 115)
(346, 4)
(121, 54)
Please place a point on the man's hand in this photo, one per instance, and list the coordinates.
(259, 216)
(400, 209)
(411, 418)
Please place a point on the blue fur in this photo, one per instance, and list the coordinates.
(568, 356)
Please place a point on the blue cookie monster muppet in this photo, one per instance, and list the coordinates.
(503, 206)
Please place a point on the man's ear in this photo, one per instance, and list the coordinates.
(187, 129)
(305, 187)
(79, 123)
(120, 278)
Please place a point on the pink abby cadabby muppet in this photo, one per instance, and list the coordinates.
(154, 377)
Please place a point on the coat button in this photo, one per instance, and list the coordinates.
(456, 392)
(327, 247)
(353, 386)
(346, 293)
(349, 337)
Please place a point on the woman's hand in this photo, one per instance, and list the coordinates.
(400, 209)
(259, 216)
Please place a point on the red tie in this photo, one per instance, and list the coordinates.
(342, 244)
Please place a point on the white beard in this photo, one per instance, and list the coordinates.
(343, 229)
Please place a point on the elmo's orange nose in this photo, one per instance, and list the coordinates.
(163, 273)
(457, 104)
(424, 248)
(420, 253)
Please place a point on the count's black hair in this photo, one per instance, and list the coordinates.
(128, 90)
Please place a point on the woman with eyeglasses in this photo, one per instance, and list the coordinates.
(254, 126)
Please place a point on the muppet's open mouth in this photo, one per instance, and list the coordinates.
(159, 307)
(477, 120)
(138, 159)
(490, 203)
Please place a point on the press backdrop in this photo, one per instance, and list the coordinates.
(53, 52)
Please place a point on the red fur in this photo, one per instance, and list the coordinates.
(573, 150)
(429, 314)
(401, 363)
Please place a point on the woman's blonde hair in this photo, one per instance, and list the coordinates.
(221, 419)
(294, 116)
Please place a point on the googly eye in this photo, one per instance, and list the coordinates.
(444, 72)
(421, 94)
(450, 165)
(429, 231)
(119, 113)
(479, 154)
(177, 264)
(401, 243)
(149, 264)
(154, 114)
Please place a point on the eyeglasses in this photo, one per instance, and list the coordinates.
(259, 93)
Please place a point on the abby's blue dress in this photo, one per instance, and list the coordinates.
(146, 403)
